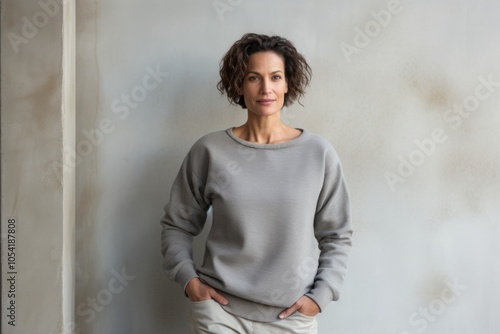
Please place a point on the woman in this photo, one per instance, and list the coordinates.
(277, 250)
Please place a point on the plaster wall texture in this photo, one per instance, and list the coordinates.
(408, 92)
(38, 195)
(424, 246)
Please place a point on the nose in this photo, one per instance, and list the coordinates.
(265, 87)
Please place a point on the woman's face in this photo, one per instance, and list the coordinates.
(264, 85)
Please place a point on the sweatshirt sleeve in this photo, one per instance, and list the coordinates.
(333, 230)
(185, 216)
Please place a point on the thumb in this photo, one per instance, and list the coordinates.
(287, 312)
(218, 297)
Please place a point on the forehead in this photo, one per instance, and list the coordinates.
(265, 60)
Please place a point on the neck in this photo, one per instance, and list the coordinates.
(264, 129)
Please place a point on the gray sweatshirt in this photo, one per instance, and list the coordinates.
(281, 222)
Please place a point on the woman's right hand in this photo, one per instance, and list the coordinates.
(198, 291)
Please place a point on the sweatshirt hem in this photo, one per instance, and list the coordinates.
(251, 310)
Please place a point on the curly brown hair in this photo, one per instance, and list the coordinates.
(234, 64)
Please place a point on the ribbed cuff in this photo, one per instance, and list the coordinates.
(322, 294)
(186, 273)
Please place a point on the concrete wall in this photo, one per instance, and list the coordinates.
(407, 91)
(38, 181)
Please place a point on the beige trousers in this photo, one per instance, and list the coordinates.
(208, 317)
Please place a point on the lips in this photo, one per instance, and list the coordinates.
(265, 102)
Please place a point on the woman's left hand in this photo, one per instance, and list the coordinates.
(304, 305)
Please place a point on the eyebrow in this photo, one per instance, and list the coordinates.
(274, 72)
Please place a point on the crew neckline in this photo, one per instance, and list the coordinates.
(288, 143)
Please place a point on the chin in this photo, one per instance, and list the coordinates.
(265, 112)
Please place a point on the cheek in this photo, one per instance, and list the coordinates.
(248, 87)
